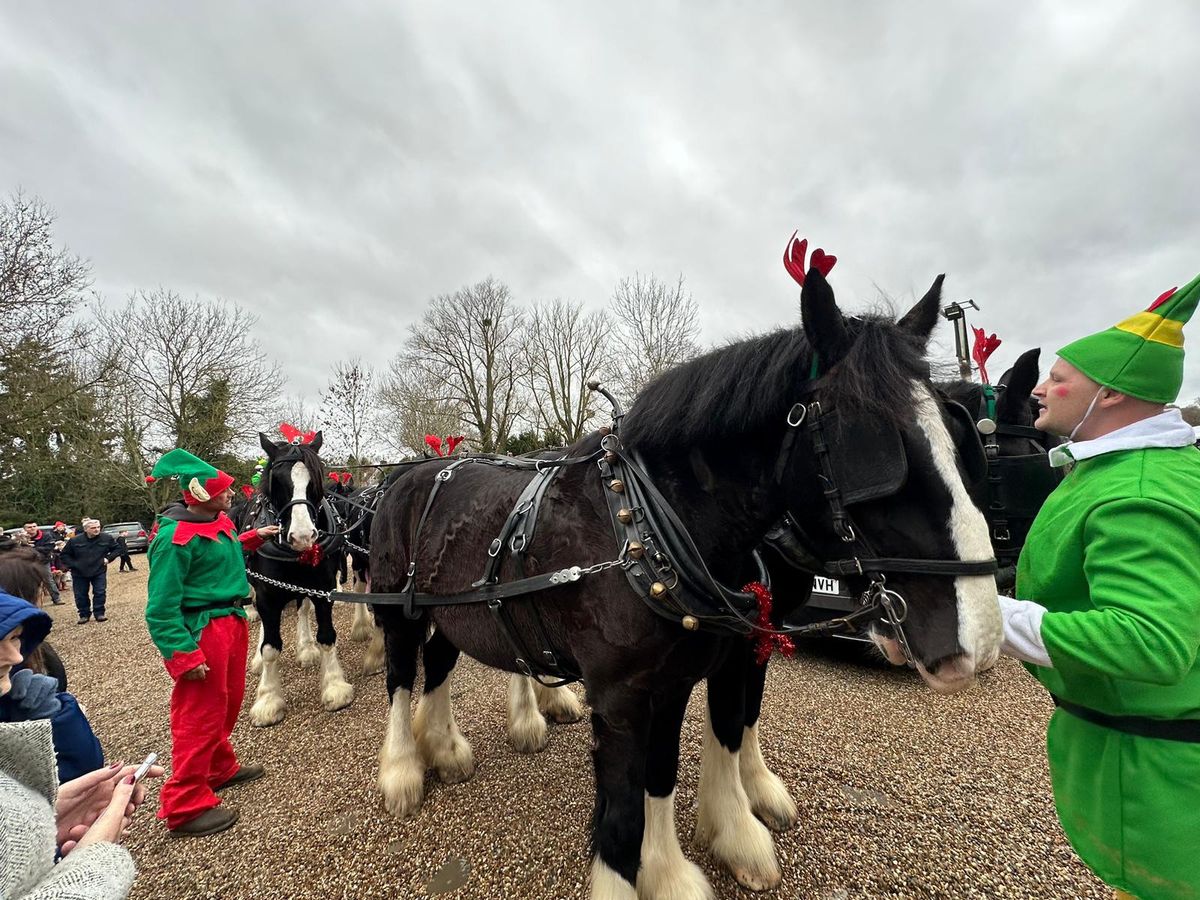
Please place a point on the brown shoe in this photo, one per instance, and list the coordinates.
(244, 775)
(211, 821)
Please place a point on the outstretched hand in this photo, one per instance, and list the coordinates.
(267, 531)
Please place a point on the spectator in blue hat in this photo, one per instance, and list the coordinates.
(27, 696)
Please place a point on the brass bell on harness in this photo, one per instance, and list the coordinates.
(657, 590)
(691, 623)
(609, 456)
(617, 486)
(636, 550)
(624, 515)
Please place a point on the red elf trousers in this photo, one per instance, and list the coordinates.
(203, 714)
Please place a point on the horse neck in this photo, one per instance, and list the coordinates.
(726, 496)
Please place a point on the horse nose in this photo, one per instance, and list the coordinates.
(301, 539)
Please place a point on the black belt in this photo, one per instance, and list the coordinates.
(214, 605)
(1186, 730)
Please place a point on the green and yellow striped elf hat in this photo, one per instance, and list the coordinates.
(1143, 355)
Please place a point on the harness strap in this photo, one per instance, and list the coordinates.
(517, 525)
(911, 566)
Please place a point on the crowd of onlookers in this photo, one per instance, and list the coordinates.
(63, 812)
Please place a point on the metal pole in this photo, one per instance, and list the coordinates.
(956, 313)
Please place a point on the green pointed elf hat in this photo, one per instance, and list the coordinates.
(200, 481)
(1143, 355)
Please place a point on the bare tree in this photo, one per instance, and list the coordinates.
(348, 407)
(566, 348)
(198, 378)
(410, 409)
(40, 283)
(657, 326)
(468, 350)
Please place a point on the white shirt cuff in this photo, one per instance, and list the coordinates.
(1023, 631)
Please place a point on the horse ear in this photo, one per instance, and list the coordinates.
(315, 443)
(921, 319)
(1019, 382)
(823, 322)
(267, 444)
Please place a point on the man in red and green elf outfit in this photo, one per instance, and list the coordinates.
(1108, 615)
(195, 614)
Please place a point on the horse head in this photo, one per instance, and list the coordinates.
(294, 484)
(885, 491)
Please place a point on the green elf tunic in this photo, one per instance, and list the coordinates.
(197, 574)
(1114, 556)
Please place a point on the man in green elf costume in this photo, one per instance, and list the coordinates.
(1108, 615)
(195, 614)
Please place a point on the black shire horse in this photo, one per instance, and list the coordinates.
(291, 492)
(355, 509)
(725, 439)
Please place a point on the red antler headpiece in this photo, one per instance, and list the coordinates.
(985, 346)
(793, 259)
(435, 443)
(346, 476)
(452, 442)
(294, 435)
(247, 491)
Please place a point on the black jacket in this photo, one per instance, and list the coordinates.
(44, 544)
(90, 556)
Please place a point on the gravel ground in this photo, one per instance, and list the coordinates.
(902, 793)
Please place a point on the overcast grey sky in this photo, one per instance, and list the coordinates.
(333, 166)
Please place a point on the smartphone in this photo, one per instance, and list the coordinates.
(144, 767)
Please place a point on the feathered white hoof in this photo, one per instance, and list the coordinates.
(256, 662)
(559, 705)
(268, 709)
(665, 873)
(402, 783)
(308, 656)
(608, 885)
(337, 695)
(251, 613)
(363, 625)
(771, 802)
(745, 848)
(527, 727)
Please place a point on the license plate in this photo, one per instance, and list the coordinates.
(825, 585)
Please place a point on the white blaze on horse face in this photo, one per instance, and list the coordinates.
(302, 532)
(979, 624)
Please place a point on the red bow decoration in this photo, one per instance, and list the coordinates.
(767, 640)
(984, 347)
(435, 443)
(793, 259)
(312, 556)
(247, 491)
(294, 435)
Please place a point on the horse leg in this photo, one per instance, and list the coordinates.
(620, 735)
(256, 663)
(374, 656)
(526, 726)
(558, 704)
(442, 745)
(363, 626)
(401, 769)
(336, 692)
(307, 653)
(769, 799)
(269, 706)
(724, 820)
(666, 874)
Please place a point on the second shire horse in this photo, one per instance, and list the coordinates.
(835, 424)
(300, 568)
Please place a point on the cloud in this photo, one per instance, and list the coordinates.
(335, 167)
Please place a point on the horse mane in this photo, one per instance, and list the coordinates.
(742, 387)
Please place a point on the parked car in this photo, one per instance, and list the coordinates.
(136, 537)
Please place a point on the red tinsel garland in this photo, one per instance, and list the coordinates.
(311, 556)
(766, 642)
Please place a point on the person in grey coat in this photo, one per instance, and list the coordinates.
(39, 817)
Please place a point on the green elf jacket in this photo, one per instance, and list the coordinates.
(197, 574)
(1114, 556)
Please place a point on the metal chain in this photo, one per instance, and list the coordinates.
(296, 589)
(357, 549)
